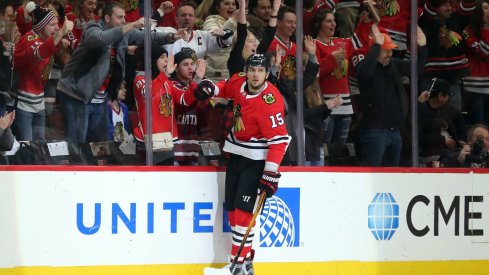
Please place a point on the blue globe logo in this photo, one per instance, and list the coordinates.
(383, 216)
(277, 224)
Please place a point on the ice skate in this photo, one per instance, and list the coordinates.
(226, 270)
(248, 264)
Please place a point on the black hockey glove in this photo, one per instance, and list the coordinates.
(269, 183)
(205, 89)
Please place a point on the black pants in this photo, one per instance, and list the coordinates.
(241, 185)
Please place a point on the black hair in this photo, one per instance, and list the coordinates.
(254, 3)
(215, 4)
(476, 21)
(282, 11)
(441, 86)
(108, 9)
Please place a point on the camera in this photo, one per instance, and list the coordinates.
(478, 154)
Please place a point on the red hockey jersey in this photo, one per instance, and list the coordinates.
(395, 16)
(162, 105)
(259, 131)
(33, 59)
(333, 77)
(79, 24)
(288, 53)
(477, 52)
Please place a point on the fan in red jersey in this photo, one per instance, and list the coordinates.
(33, 58)
(256, 144)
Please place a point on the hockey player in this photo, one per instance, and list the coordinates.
(256, 145)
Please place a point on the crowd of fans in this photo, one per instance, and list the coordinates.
(74, 71)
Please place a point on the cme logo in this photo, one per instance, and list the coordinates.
(427, 215)
(279, 221)
(383, 216)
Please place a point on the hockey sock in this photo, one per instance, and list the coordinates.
(242, 220)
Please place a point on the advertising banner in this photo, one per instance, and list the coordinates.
(134, 218)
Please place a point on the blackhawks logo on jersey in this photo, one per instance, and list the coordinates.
(269, 98)
(241, 74)
(165, 103)
(129, 5)
(289, 67)
(237, 119)
(340, 71)
(388, 7)
(32, 37)
(448, 38)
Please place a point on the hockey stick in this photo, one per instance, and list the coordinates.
(230, 271)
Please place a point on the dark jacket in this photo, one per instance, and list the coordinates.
(432, 120)
(383, 101)
(89, 65)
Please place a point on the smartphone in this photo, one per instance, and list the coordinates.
(432, 84)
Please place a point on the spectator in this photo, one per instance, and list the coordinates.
(383, 105)
(315, 112)
(164, 97)
(33, 58)
(96, 68)
(189, 118)
(446, 56)
(441, 127)
(8, 78)
(220, 18)
(82, 14)
(476, 152)
(333, 55)
(119, 127)
(286, 23)
(247, 43)
(261, 9)
(24, 15)
(201, 42)
(6, 11)
(311, 8)
(287, 88)
(477, 50)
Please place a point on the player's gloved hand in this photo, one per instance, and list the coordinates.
(269, 183)
(205, 89)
